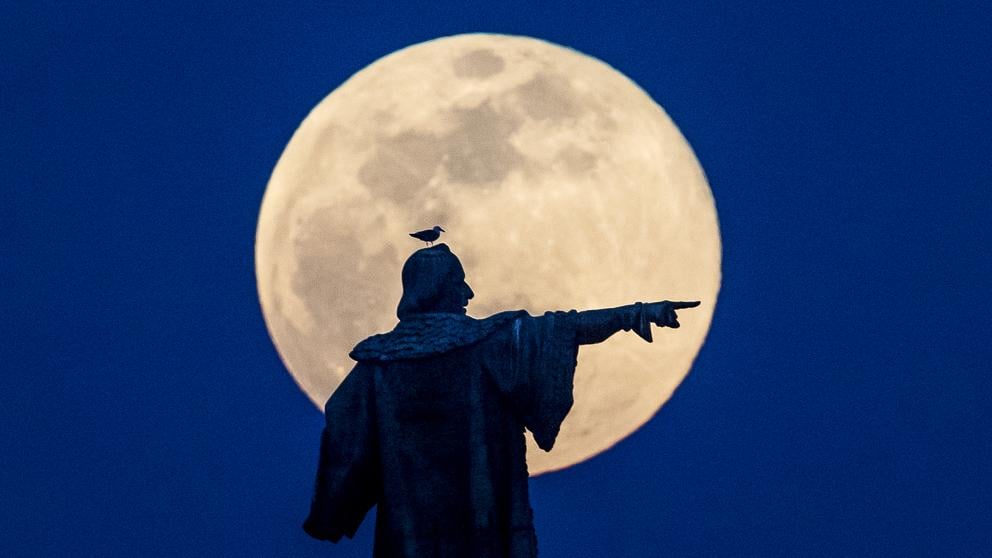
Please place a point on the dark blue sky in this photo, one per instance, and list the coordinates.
(840, 406)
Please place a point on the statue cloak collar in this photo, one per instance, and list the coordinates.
(428, 334)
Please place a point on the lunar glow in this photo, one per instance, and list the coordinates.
(561, 184)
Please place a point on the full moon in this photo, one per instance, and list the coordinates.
(561, 185)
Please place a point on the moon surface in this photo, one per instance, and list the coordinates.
(560, 182)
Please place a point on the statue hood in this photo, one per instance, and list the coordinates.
(430, 275)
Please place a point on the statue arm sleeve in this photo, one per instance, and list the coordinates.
(540, 372)
(596, 326)
(345, 487)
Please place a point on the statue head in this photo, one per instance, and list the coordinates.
(433, 281)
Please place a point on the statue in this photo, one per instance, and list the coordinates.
(429, 425)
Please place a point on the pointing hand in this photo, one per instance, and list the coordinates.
(663, 313)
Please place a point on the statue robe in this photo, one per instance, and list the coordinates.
(429, 426)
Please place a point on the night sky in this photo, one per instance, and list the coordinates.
(840, 406)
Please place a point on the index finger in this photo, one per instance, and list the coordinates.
(689, 304)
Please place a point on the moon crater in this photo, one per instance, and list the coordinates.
(478, 64)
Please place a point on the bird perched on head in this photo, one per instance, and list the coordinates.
(429, 235)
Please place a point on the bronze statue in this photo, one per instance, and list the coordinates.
(429, 425)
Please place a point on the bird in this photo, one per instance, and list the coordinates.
(428, 235)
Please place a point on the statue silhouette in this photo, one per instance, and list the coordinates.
(429, 425)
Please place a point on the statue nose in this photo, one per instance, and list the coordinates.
(468, 292)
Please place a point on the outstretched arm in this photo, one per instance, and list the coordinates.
(595, 326)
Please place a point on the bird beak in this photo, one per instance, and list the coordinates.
(442, 230)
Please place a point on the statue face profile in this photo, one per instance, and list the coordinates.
(433, 281)
(462, 292)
